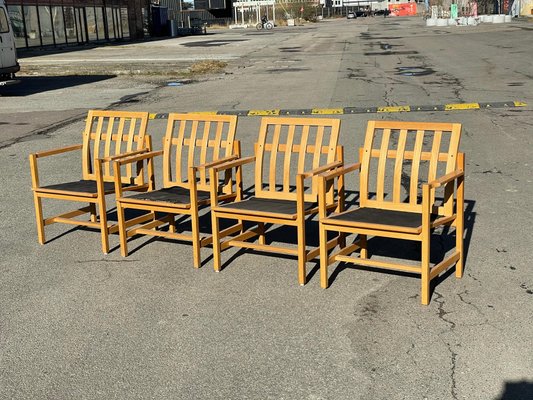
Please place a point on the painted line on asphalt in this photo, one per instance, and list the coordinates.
(356, 110)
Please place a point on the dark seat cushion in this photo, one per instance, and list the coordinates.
(175, 195)
(397, 220)
(83, 186)
(258, 206)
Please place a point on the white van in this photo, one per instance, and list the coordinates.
(8, 53)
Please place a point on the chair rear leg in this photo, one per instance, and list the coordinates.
(215, 228)
(123, 233)
(302, 253)
(195, 239)
(425, 280)
(363, 242)
(261, 229)
(92, 207)
(459, 245)
(39, 218)
(323, 237)
(104, 232)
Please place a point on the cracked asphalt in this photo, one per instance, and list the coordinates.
(77, 324)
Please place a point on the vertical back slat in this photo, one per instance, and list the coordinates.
(398, 166)
(129, 146)
(260, 155)
(192, 146)
(203, 150)
(179, 148)
(86, 150)
(120, 132)
(98, 137)
(287, 160)
(273, 159)
(382, 163)
(318, 146)
(218, 140)
(415, 167)
(107, 145)
(365, 164)
(303, 149)
(434, 161)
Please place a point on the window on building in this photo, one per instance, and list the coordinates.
(4, 22)
(70, 24)
(17, 22)
(124, 22)
(32, 25)
(47, 36)
(58, 24)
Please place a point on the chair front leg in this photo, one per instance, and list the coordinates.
(302, 253)
(123, 233)
(323, 237)
(104, 231)
(39, 218)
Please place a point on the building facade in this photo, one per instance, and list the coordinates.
(39, 23)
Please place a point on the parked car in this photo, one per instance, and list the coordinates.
(351, 15)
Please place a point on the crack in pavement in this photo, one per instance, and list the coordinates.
(442, 314)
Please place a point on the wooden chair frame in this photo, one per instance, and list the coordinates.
(224, 149)
(273, 190)
(108, 135)
(427, 214)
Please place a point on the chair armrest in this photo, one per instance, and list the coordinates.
(233, 164)
(445, 179)
(57, 151)
(139, 157)
(322, 169)
(123, 155)
(216, 162)
(327, 176)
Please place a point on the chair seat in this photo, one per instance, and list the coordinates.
(375, 218)
(261, 206)
(175, 195)
(87, 187)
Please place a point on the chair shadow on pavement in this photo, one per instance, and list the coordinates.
(522, 390)
(37, 84)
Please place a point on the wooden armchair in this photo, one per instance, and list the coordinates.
(108, 135)
(289, 153)
(406, 163)
(192, 144)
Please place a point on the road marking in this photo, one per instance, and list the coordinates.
(357, 110)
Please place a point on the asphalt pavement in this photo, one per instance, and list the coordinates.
(75, 323)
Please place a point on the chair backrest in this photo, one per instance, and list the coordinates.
(289, 146)
(110, 133)
(196, 139)
(398, 157)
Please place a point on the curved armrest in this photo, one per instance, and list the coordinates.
(57, 151)
(322, 169)
(235, 163)
(216, 162)
(140, 157)
(123, 155)
(445, 179)
(327, 176)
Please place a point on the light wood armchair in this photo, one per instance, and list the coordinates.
(108, 135)
(193, 144)
(405, 163)
(289, 153)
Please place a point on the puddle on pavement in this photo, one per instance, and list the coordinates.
(212, 43)
(414, 71)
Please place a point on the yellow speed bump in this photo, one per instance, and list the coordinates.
(394, 109)
(461, 106)
(324, 111)
(254, 113)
